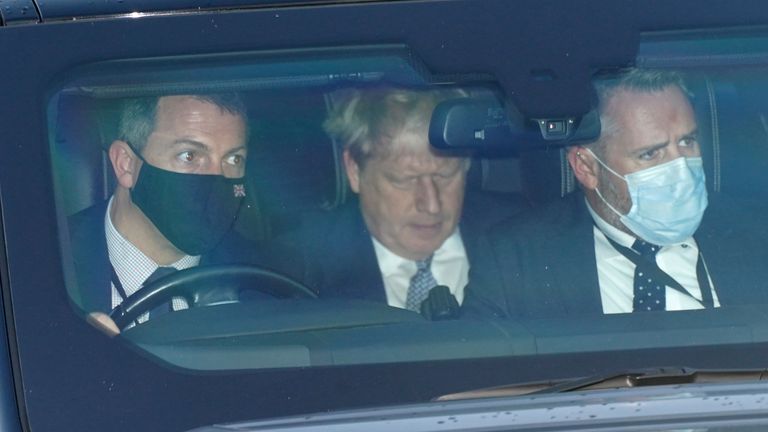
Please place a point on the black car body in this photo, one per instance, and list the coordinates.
(62, 60)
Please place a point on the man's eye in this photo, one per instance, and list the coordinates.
(186, 157)
(450, 175)
(649, 155)
(688, 142)
(403, 182)
(236, 159)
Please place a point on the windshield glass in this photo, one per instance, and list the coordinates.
(300, 205)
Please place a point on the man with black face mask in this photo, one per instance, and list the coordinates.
(643, 235)
(179, 164)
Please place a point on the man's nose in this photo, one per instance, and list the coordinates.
(223, 169)
(215, 169)
(675, 152)
(427, 196)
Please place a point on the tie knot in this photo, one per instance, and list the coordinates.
(424, 264)
(645, 249)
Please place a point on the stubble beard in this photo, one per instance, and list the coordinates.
(620, 201)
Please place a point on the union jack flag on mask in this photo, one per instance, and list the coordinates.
(239, 190)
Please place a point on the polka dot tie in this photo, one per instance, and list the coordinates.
(649, 294)
(421, 283)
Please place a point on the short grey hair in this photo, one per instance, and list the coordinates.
(634, 79)
(364, 120)
(138, 115)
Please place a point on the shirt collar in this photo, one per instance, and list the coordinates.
(131, 265)
(390, 263)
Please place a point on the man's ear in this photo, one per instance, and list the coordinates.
(125, 163)
(584, 167)
(353, 171)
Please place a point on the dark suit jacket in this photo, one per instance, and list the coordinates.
(542, 264)
(338, 257)
(93, 269)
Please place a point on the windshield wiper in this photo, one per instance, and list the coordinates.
(613, 380)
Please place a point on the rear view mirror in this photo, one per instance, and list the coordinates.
(484, 125)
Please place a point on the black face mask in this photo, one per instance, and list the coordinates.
(193, 211)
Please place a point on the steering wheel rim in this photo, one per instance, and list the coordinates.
(189, 284)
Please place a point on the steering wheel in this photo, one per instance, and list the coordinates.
(208, 286)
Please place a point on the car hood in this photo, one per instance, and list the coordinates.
(742, 406)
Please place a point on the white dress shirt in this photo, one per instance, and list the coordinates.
(133, 267)
(450, 267)
(616, 273)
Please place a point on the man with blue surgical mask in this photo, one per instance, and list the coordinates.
(638, 238)
(645, 189)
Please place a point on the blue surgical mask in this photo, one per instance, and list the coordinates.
(668, 200)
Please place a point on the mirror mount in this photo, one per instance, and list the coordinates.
(484, 125)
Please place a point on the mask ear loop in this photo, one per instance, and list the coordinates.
(597, 189)
(136, 152)
(602, 164)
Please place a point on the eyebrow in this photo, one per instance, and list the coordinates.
(407, 175)
(236, 149)
(202, 146)
(650, 148)
(188, 141)
(692, 134)
(392, 175)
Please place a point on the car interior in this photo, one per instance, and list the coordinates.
(295, 169)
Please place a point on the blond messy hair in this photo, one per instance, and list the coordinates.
(365, 120)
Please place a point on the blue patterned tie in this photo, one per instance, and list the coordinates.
(421, 283)
(649, 293)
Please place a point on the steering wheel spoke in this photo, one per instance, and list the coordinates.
(208, 286)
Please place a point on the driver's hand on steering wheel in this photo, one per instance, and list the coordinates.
(103, 322)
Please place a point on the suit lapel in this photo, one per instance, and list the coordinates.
(580, 283)
(351, 269)
(730, 252)
(572, 268)
(91, 258)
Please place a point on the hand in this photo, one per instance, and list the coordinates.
(104, 323)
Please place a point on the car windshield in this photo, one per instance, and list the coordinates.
(232, 220)
(355, 197)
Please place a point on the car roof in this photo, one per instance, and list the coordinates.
(31, 11)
